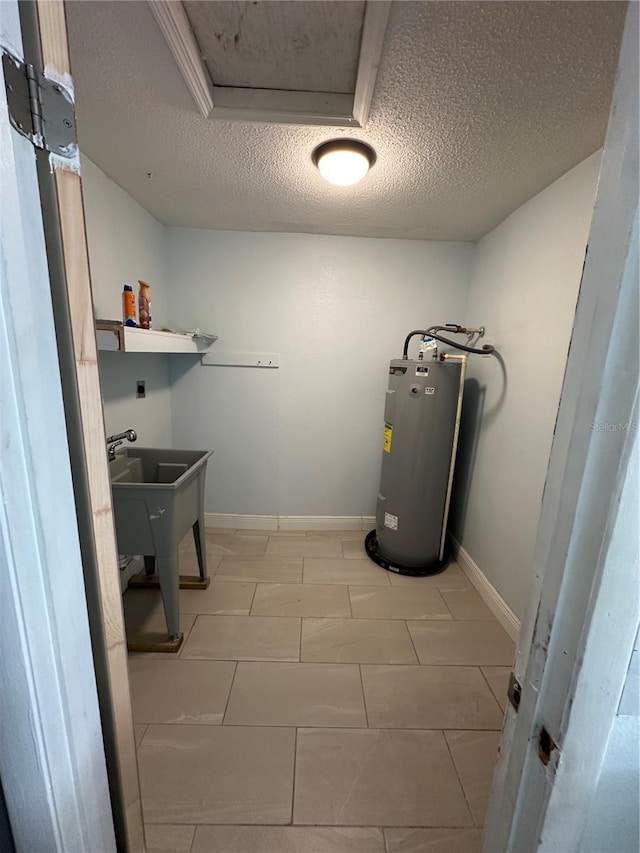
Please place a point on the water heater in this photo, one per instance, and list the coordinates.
(421, 423)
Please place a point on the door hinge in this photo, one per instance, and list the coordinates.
(39, 108)
(514, 691)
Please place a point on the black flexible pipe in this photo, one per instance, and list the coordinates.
(432, 331)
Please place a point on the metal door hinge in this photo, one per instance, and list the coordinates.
(514, 691)
(39, 108)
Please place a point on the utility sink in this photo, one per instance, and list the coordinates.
(153, 466)
(158, 495)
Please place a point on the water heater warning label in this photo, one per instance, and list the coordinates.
(388, 435)
(390, 521)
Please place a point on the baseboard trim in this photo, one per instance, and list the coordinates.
(490, 595)
(320, 522)
(240, 522)
(235, 521)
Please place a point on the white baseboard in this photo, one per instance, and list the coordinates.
(288, 522)
(490, 595)
(321, 522)
(241, 522)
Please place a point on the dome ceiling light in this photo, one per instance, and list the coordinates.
(344, 162)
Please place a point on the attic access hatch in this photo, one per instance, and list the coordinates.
(302, 62)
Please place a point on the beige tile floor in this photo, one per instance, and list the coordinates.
(318, 704)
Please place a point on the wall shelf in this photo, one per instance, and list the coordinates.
(115, 337)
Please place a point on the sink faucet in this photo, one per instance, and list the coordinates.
(114, 441)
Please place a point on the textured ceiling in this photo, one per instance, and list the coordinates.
(477, 107)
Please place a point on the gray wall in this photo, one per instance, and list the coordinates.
(304, 439)
(126, 244)
(524, 288)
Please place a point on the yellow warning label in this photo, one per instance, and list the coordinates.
(388, 435)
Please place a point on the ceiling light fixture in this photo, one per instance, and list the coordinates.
(344, 162)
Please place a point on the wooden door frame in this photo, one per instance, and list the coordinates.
(61, 221)
(575, 599)
(52, 764)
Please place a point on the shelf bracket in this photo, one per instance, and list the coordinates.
(269, 360)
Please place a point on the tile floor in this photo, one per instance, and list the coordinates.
(318, 704)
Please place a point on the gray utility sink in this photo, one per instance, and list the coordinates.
(158, 495)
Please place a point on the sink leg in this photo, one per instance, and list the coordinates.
(169, 586)
(201, 546)
(149, 565)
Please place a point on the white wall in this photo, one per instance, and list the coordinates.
(304, 439)
(614, 821)
(150, 416)
(524, 288)
(613, 825)
(126, 244)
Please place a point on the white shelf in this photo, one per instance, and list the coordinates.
(117, 338)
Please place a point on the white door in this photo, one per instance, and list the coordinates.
(67, 753)
(579, 628)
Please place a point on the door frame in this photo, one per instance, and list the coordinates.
(53, 771)
(578, 630)
(63, 396)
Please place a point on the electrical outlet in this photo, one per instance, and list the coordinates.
(140, 389)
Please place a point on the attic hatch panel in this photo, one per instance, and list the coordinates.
(294, 45)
